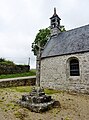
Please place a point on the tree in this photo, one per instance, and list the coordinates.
(62, 28)
(41, 38)
(4, 61)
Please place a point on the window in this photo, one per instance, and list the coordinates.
(74, 67)
(53, 23)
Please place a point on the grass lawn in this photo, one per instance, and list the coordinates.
(28, 89)
(30, 73)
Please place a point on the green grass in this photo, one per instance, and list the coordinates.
(67, 118)
(30, 73)
(16, 89)
(21, 114)
(22, 89)
(28, 89)
(51, 91)
(1, 101)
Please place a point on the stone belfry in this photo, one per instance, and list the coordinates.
(55, 24)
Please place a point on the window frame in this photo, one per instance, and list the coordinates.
(74, 67)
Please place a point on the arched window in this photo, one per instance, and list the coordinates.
(74, 67)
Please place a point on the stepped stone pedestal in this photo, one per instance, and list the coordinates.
(37, 100)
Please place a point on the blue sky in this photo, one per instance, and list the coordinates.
(20, 21)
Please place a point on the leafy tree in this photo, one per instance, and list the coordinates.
(4, 61)
(62, 28)
(41, 38)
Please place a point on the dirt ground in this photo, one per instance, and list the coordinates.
(73, 107)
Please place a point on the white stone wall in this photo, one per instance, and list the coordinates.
(55, 73)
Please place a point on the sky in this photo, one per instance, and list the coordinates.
(20, 21)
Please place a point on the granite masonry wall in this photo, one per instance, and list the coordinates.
(21, 81)
(55, 73)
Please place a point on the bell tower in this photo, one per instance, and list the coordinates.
(55, 24)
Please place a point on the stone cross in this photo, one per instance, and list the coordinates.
(38, 64)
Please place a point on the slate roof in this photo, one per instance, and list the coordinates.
(69, 42)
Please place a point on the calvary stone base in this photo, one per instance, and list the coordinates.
(37, 100)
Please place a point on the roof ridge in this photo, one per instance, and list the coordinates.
(77, 28)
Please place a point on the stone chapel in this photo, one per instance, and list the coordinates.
(65, 58)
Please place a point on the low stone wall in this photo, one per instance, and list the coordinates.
(21, 81)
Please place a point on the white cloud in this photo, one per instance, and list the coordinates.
(20, 21)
